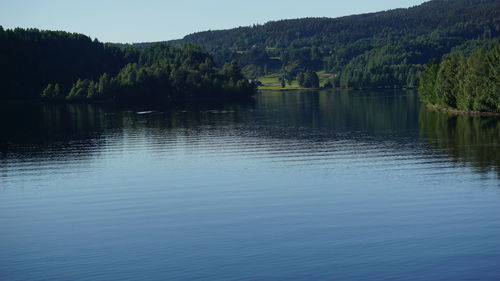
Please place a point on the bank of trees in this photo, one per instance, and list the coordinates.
(163, 73)
(30, 59)
(468, 83)
(385, 49)
(308, 79)
(63, 66)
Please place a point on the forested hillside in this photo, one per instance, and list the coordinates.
(371, 50)
(61, 66)
(384, 49)
(30, 59)
(162, 73)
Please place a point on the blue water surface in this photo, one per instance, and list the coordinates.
(331, 185)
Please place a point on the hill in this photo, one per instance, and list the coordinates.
(32, 58)
(380, 49)
(62, 66)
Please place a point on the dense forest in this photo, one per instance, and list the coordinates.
(467, 83)
(58, 65)
(163, 73)
(30, 59)
(376, 50)
(384, 49)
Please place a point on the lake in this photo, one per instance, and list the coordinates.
(330, 185)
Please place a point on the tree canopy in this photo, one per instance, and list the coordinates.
(467, 83)
(61, 66)
(30, 59)
(165, 73)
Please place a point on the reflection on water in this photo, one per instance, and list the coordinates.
(330, 185)
(373, 112)
(469, 140)
(55, 130)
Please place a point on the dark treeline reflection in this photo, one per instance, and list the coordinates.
(392, 120)
(40, 129)
(33, 130)
(34, 123)
(376, 112)
(340, 111)
(469, 140)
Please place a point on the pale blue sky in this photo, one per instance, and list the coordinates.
(154, 20)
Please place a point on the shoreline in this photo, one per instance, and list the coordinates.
(289, 90)
(337, 88)
(461, 112)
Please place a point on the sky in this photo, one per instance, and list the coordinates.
(128, 21)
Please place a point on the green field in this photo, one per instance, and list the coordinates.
(271, 82)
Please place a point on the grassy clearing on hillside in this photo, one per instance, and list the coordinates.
(271, 82)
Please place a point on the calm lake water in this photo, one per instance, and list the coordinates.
(296, 186)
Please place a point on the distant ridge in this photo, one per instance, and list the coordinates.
(387, 48)
(418, 20)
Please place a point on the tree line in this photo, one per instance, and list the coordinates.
(31, 58)
(163, 73)
(376, 50)
(62, 66)
(467, 83)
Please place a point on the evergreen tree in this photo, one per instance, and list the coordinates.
(300, 79)
(469, 84)
(48, 92)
